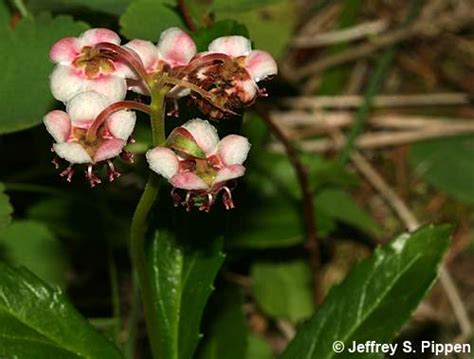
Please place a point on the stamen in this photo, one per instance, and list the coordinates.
(91, 177)
(206, 206)
(68, 173)
(55, 162)
(176, 197)
(227, 198)
(188, 202)
(262, 92)
(112, 173)
(127, 156)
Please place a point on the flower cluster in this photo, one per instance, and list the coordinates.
(93, 74)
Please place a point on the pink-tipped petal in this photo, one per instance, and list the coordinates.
(146, 51)
(94, 36)
(163, 161)
(203, 133)
(65, 50)
(121, 124)
(233, 46)
(58, 125)
(113, 87)
(176, 47)
(247, 90)
(72, 152)
(228, 173)
(85, 106)
(109, 149)
(233, 149)
(260, 64)
(188, 181)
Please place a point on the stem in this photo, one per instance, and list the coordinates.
(186, 15)
(307, 197)
(111, 109)
(138, 227)
(21, 8)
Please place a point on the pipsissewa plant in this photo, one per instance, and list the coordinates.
(92, 77)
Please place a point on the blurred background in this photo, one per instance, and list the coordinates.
(374, 102)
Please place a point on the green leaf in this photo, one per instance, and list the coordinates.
(203, 36)
(340, 206)
(240, 5)
(258, 348)
(6, 209)
(447, 164)
(114, 7)
(146, 19)
(283, 290)
(227, 329)
(32, 245)
(24, 86)
(270, 26)
(182, 277)
(38, 322)
(376, 298)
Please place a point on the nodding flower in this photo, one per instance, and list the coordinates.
(230, 70)
(70, 132)
(195, 162)
(81, 67)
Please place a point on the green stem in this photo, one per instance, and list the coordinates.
(138, 227)
(21, 8)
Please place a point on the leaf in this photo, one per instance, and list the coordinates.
(283, 290)
(203, 36)
(6, 209)
(258, 348)
(147, 19)
(182, 277)
(32, 245)
(114, 7)
(38, 322)
(447, 164)
(240, 5)
(376, 298)
(227, 329)
(340, 206)
(270, 26)
(24, 85)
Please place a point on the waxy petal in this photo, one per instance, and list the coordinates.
(72, 152)
(85, 106)
(163, 161)
(203, 133)
(109, 149)
(94, 36)
(188, 181)
(65, 50)
(146, 51)
(58, 125)
(229, 173)
(121, 124)
(66, 82)
(176, 47)
(233, 46)
(233, 149)
(260, 64)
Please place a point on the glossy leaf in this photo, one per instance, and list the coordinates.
(376, 298)
(447, 164)
(38, 322)
(31, 244)
(182, 278)
(283, 290)
(24, 85)
(227, 326)
(146, 19)
(258, 348)
(114, 7)
(6, 209)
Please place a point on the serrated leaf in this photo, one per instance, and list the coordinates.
(38, 322)
(6, 209)
(146, 19)
(182, 277)
(203, 36)
(283, 290)
(32, 245)
(376, 298)
(447, 164)
(339, 205)
(114, 7)
(24, 84)
(227, 327)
